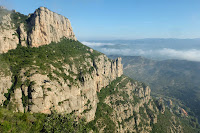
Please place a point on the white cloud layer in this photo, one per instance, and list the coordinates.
(95, 44)
(165, 53)
(191, 54)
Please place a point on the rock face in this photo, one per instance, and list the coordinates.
(77, 80)
(40, 28)
(131, 105)
(8, 36)
(47, 27)
(161, 105)
(39, 93)
(5, 84)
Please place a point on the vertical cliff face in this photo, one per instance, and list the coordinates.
(79, 97)
(8, 38)
(40, 28)
(64, 86)
(47, 26)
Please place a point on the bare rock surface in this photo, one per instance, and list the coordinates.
(40, 28)
(47, 27)
(8, 36)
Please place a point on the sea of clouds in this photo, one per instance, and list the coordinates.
(164, 52)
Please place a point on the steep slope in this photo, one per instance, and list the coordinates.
(40, 28)
(126, 106)
(47, 70)
(55, 76)
(8, 36)
(177, 80)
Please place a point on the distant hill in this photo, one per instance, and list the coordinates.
(178, 79)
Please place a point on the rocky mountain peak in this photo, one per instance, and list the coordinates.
(40, 28)
(48, 26)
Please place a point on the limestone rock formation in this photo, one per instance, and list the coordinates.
(47, 27)
(40, 28)
(5, 84)
(8, 36)
(131, 105)
(39, 93)
(86, 84)
(161, 105)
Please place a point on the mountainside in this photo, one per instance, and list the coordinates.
(175, 79)
(126, 106)
(40, 28)
(55, 76)
(58, 83)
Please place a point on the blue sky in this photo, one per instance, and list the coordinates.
(122, 19)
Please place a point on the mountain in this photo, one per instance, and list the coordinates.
(50, 82)
(177, 79)
(40, 28)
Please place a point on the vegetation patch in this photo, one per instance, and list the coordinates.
(29, 123)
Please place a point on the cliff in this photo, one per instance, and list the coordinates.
(40, 28)
(44, 68)
(47, 26)
(55, 76)
(8, 36)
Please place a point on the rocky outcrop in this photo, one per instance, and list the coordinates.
(8, 36)
(40, 93)
(5, 85)
(131, 107)
(161, 106)
(40, 28)
(22, 35)
(47, 27)
(79, 80)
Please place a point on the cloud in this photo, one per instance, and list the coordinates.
(191, 54)
(96, 44)
(165, 53)
(112, 51)
(155, 53)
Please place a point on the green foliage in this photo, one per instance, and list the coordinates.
(20, 122)
(165, 121)
(35, 123)
(4, 68)
(54, 53)
(56, 123)
(49, 89)
(110, 89)
(18, 18)
(163, 124)
(135, 99)
(102, 118)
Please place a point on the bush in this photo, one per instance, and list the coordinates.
(57, 123)
(31, 123)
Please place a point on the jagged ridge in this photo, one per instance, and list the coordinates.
(64, 76)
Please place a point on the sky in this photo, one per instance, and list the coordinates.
(122, 19)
